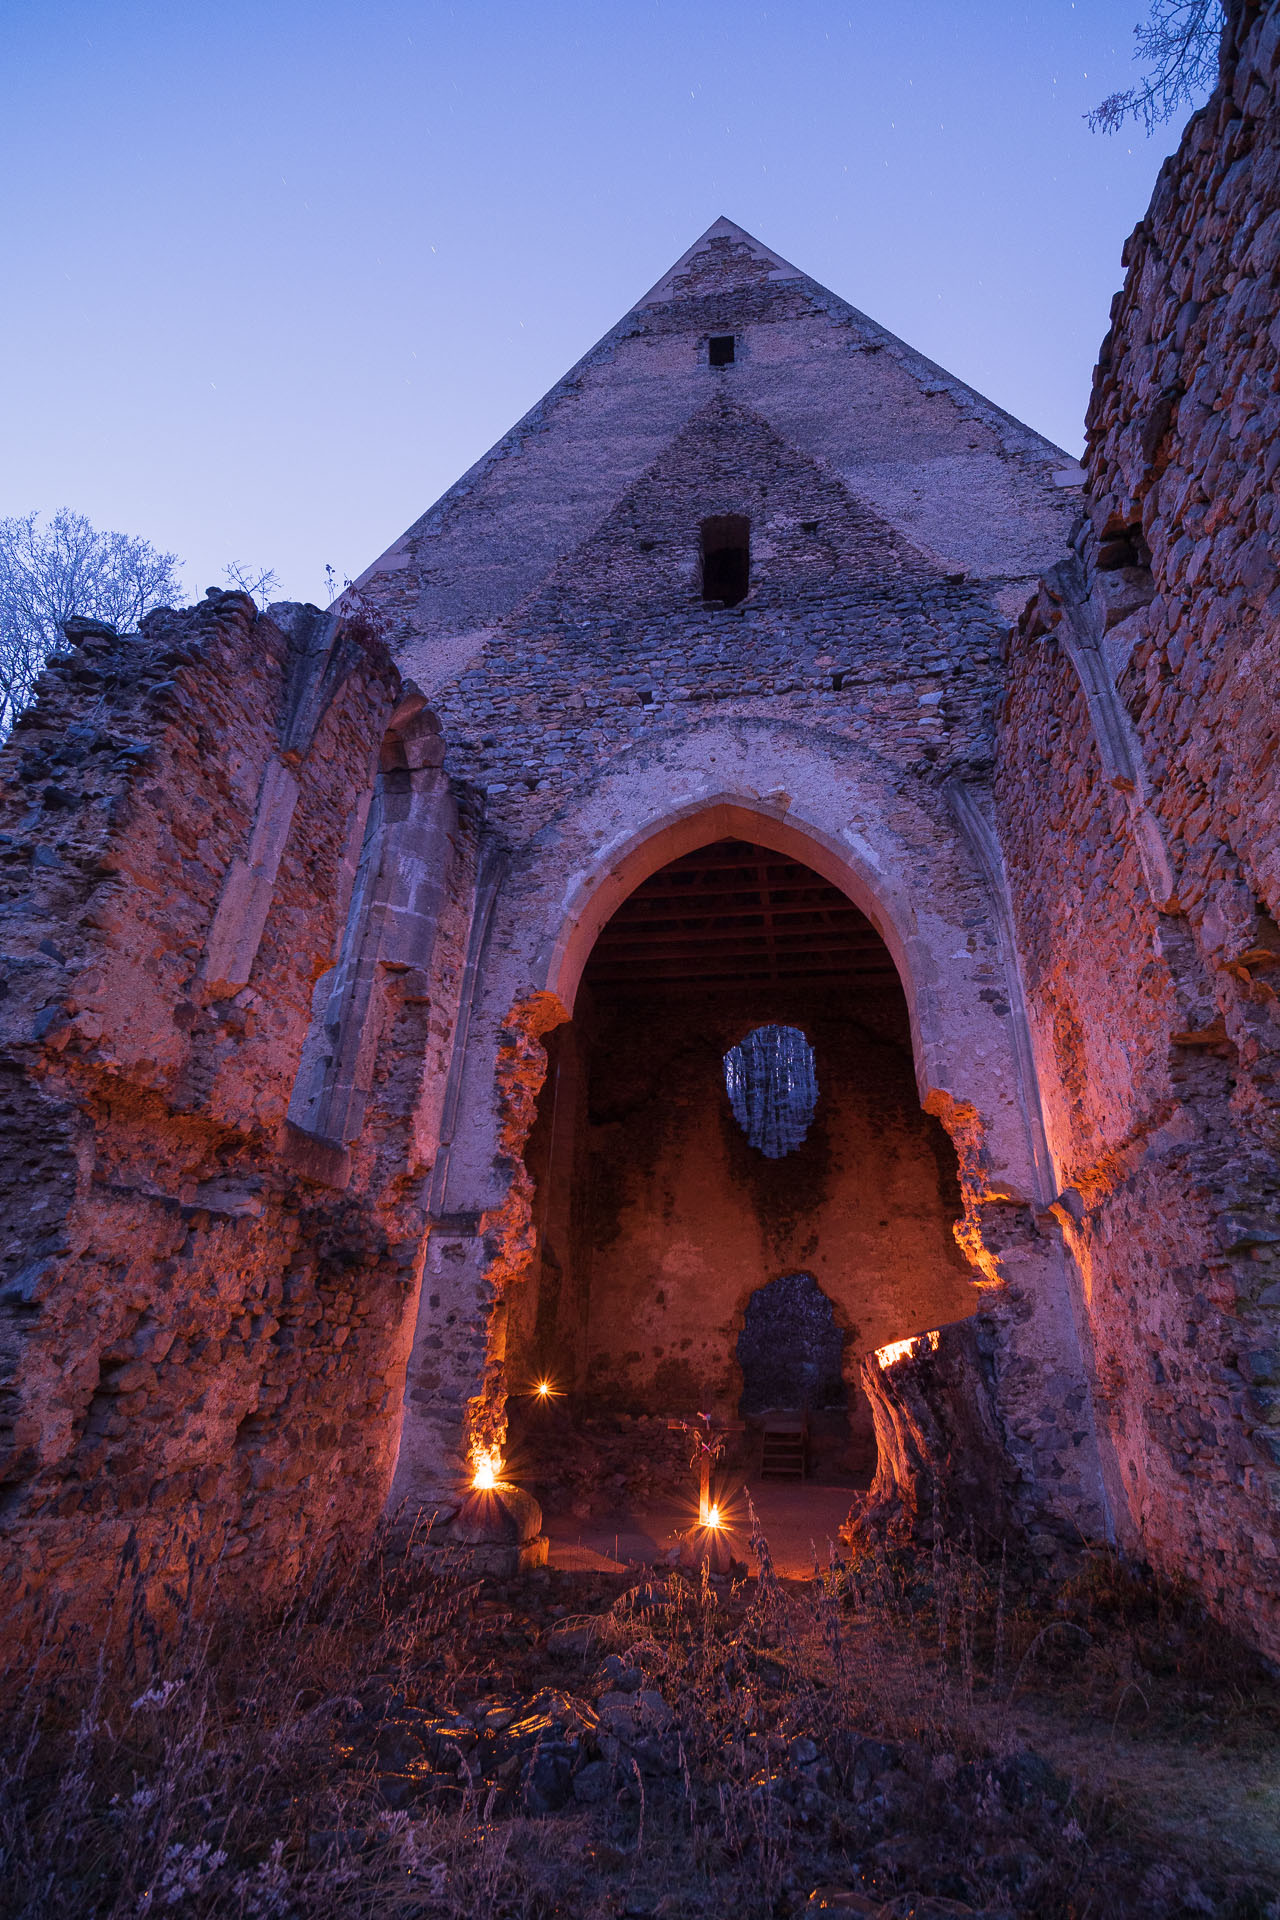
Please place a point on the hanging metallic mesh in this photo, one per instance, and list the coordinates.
(772, 1088)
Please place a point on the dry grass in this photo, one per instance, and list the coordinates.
(941, 1736)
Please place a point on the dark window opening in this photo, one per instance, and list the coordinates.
(647, 546)
(720, 350)
(837, 682)
(790, 1349)
(726, 559)
(772, 1088)
(808, 526)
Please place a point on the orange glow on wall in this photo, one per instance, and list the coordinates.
(486, 1469)
(906, 1349)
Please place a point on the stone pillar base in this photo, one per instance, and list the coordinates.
(494, 1529)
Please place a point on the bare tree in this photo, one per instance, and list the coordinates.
(50, 573)
(261, 584)
(1179, 46)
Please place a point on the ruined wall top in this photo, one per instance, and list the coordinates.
(1137, 803)
(1188, 323)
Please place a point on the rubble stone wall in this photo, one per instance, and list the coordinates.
(551, 605)
(847, 627)
(204, 1310)
(1137, 796)
(686, 1219)
(613, 686)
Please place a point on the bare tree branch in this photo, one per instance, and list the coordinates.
(50, 573)
(262, 584)
(1179, 44)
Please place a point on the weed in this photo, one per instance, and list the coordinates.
(406, 1739)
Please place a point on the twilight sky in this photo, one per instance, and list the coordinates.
(278, 271)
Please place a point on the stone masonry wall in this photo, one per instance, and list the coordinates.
(1138, 808)
(204, 1312)
(975, 490)
(687, 1220)
(846, 626)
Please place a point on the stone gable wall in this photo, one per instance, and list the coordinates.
(966, 484)
(846, 627)
(859, 679)
(1138, 809)
(204, 1314)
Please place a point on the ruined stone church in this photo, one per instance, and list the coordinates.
(776, 819)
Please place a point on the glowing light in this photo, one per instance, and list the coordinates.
(906, 1349)
(487, 1468)
(544, 1389)
(713, 1517)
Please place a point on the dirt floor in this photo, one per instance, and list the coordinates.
(801, 1520)
(914, 1735)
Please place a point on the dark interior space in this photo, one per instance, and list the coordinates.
(795, 1400)
(737, 1193)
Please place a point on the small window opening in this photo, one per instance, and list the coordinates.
(726, 558)
(720, 350)
(808, 526)
(837, 682)
(647, 546)
(772, 1088)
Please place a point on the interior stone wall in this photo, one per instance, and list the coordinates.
(204, 1310)
(1138, 810)
(679, 1220)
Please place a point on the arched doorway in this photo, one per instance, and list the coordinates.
(659, 1214)
(795, 1399)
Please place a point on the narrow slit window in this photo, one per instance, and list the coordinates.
(720, 350)
(773, 1088)
(726, 559)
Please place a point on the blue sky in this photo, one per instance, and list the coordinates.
(276, 273)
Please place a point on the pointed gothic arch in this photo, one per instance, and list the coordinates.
(636, 1299)
(623, 866)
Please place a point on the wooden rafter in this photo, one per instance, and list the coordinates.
(734, 911)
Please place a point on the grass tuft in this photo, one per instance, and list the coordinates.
(925, 1735)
